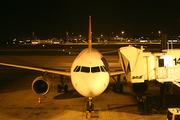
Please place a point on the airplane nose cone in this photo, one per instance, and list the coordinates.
(92, 91)
(93, 84)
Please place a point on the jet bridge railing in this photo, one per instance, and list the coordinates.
(168, 73)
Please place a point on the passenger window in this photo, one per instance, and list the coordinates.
(76, 68)
(85, 69)
(95, 69)
(102, 69)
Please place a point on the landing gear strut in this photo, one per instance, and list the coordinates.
(90, 108)
(90, 105)
(61, 85)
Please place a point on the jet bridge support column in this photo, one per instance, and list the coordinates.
(164, 41)
(145, 104)
(162, 95)
(118, 85)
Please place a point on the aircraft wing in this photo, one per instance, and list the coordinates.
(113, 51)
(67, 73)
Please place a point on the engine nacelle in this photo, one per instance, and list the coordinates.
(139, 88)
(41, 85)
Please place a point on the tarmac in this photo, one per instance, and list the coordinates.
(18, 102)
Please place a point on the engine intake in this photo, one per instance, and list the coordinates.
(41, 85)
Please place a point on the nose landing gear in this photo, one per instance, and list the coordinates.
(90, 105)
(90, 112)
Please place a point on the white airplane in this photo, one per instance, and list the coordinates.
(89, 74)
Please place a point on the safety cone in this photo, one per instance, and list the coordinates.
(39, 102)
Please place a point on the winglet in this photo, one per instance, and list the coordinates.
(90, 34)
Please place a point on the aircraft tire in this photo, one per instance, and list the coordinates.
(59, 88)
(66, 88)
(121, 88)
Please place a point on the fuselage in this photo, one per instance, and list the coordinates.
(89, 73)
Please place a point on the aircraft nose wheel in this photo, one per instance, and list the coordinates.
(90, 108)
(90, 105)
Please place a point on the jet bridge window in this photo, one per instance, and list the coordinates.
(95, 69)
(161, 62)
(85, 69)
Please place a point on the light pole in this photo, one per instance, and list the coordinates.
(101, 37)
(80, 38)
(122, 33)
(159, 34)
(112, 35)
(152, 36)
(116, 37)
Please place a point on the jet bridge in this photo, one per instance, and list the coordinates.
(137, 65)
(140, 66)
(169, 66)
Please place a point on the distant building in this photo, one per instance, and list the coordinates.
(50, 42)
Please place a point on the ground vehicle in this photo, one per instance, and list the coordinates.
(173, 114)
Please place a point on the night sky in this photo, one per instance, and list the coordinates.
(19, 18)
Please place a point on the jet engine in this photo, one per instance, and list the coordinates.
(139, 88)
(41, 85)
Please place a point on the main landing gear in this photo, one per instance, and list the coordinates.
(61, 86)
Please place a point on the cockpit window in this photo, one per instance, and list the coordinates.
(85, 69)
(95, 69)
(88, 69)
(103, 69)
(75, 68)
(78, 69)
